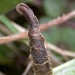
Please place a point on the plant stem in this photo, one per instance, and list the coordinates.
(41, 62)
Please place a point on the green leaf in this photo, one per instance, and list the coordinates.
(68, 37)
(5, 54)
(8, 23)
(53, 7)
(65, 69)
(6, 5)
(52, 35)
(44, 19)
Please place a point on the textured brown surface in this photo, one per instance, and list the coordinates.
(41, 63)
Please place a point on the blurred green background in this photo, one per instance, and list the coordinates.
(14, 56)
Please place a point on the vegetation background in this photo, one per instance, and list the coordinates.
(14, 56)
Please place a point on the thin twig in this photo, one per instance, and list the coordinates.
(1, 73)
(12, 38)
(60, 51)
(28, 67)
(53, 48)
(4, 29)
(18, 27)
(23, 34)
(42, 27)
(57, 21)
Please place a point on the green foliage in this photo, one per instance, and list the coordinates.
(65, 69)
(68, 37)
(55, 35)
(8, 23)
(5, 54)
(6, 5)
(44, 19)
(53, 7)
(65, 35)
(52, 35)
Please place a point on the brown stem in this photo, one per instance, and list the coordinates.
(42, 27)
(41, 62)
(24, 10)
(57, 21)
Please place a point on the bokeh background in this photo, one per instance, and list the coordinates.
(14, 56)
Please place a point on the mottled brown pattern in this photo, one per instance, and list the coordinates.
(41, 63)
(44, 69)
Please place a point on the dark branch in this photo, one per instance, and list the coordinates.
(38, 52)
(24, 10)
